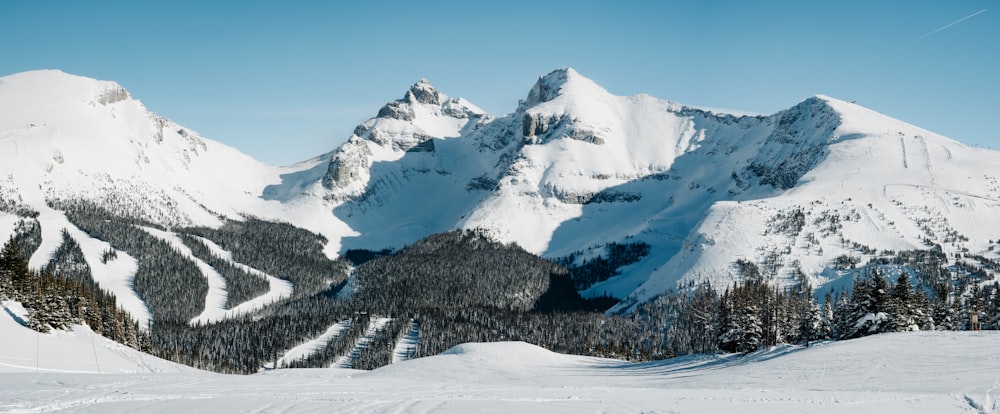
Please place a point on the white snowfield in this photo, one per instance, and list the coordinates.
(77, 351)
(920, 372)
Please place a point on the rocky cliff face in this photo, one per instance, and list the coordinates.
(407, 125)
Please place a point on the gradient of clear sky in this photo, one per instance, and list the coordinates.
(288, 80)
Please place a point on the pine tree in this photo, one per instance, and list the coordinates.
(14, 268)
(811, 325)
(903, 306)
(869, 305)
(826, 328)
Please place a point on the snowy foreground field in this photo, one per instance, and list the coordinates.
(930, 372)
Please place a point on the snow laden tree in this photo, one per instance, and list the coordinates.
(755, 313)
(875, 306)
(869, 307)
(740, 317)
(908, 309)
(811, 324)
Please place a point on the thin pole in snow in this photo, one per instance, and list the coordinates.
(94, 347)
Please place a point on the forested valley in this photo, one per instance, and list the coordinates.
(458, 287)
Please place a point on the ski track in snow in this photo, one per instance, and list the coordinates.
(919, 372)
(374, 327)
(215, 300)
(277, 288)
(407, 344)
(305, 349)
(116, 276)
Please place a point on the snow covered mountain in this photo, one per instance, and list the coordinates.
(65, 137)
(574, 174)
(575, 168)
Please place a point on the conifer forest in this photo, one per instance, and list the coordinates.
(458, 287)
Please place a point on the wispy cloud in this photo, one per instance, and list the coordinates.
(942, 28)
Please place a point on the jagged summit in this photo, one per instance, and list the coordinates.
(404, 126)
(424, 92)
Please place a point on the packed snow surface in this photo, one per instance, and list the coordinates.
(920, 372)
(79, 350)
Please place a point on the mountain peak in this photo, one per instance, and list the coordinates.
(424, 92)
(561, 82)
(49, 88)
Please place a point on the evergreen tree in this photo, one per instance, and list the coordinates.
(14, 268)
(811, 325)
(869, 305)
(826, 326)
(904, 306)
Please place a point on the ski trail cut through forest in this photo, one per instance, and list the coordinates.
(312, 346)
(117, 276)
(374, 327)
(406, 348)
(277, 288)
(215, 299)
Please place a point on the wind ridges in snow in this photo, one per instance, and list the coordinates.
(375, 326)
(911, 372)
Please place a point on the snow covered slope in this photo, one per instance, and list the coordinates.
(65, 137)
(575, 168)
(572, 170)
(920, 372)
(67, 140)
(77, 351)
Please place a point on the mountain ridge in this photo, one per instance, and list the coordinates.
(572, 170)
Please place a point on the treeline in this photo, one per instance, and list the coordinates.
(601, 268)
(170, 284)
(461, 269)
(281, 250)
(752, 314)
(460, 286)
(55, 301)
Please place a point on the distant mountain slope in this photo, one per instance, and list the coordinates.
(65, 137)
(575, 169)
(634, 194)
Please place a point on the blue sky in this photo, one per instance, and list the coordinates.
(285, 81)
